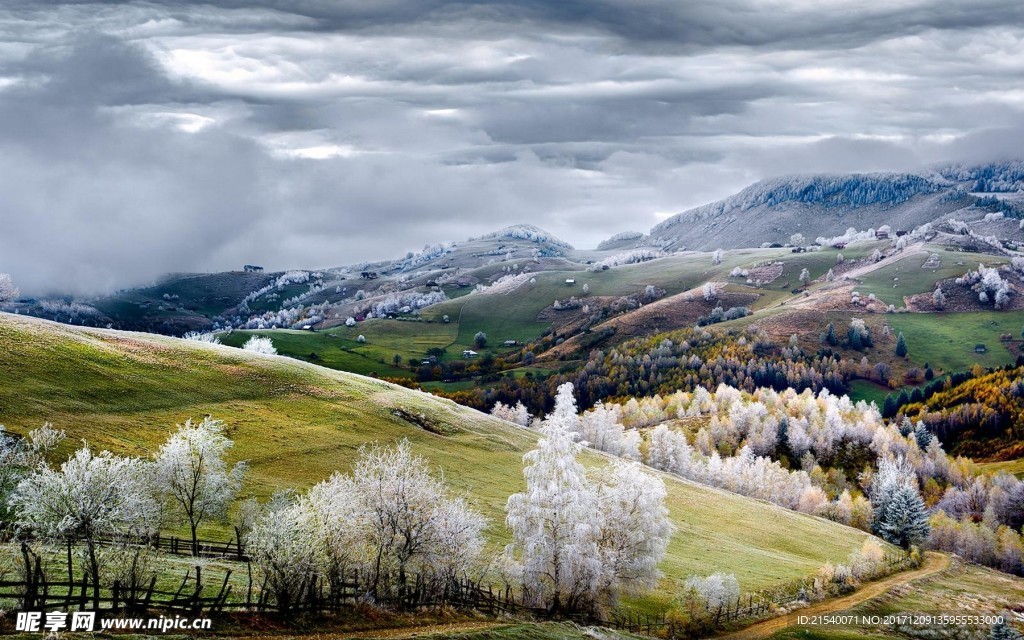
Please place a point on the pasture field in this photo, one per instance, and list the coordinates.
(1015, 467)
(914, 278)
(297, 423)
(339, 348)
(947, 341)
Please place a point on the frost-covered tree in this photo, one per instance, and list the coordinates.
(830, 276)
(601, 428)
(283, 547)
(201, 336)
(895, 482)
(258, 344)
(805, 277)
(193, 475)
(361, 339)
(716, 590)
(904, 518)
(901, 346)
(555, 522)
(669, 451)
(938, 297)
(517, 415)
(716, 256)
(8, 291)
(797, 239)
(88, 497)
(635, 528)
(480, 339)
(411, 521)
(580, 539)
(708, 291)
(20, 457)
(350, 322)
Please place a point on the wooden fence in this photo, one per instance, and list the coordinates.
(205, 591)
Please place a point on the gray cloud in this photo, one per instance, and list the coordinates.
(141, 138)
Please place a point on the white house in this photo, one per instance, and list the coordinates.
(570, 281)
(469, 353)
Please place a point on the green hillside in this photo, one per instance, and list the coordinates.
(297, 423)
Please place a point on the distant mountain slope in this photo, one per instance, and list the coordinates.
(297, 423)
(824, 205)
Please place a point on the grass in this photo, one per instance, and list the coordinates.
(961, 590)
(339, 348)
(297, 423)
(914, 279)
(1014, 467)
(946, 341)
(868, 391)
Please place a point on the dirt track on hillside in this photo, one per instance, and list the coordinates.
(933, 563)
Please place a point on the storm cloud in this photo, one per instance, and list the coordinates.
(143, 138)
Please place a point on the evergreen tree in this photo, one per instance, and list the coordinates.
(923, 436)
(904, 518)
(928, 373)
(901, 346)
(903, 400)
(1001, 631)
(830, 335)
(889, 407)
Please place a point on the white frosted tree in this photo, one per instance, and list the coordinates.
(716, 590)
(193, 475)
(554, 522)
(669, 451)
(939, 298)
(89, 497)
(716, 257)
(283, 546)
(805, 277)
(411, 522)
(335, 516)
(258, 344)
(635, 530)
(517, 415)
(601, 429)
(200, 336)
(8, 291)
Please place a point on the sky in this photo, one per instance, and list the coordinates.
(140, 138)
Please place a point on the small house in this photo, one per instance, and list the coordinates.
(510, 343)
(838, 245)
(570, 281)
(980, 348)
(469, 353)
(252, 268)
(881, 235)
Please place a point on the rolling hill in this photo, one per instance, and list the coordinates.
(297, 423)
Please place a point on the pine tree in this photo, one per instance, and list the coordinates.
(830, 335)
(923, 436)
(904, 519)
(889, 407)
(901, 346)
(1000, 631)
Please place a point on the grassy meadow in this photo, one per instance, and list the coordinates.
(298, 423)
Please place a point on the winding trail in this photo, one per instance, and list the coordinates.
(933, 563)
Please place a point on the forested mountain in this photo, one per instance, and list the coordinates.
(826, 205)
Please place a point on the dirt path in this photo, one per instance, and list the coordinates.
(933, 563)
